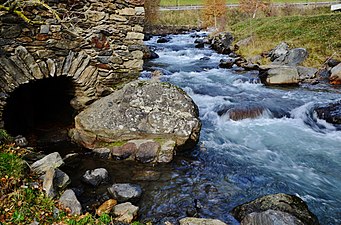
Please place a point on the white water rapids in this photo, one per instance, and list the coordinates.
(296, 154)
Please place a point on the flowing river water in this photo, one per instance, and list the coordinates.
(238, 161)
(286, 149)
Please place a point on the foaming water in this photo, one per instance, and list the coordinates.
(285, 148)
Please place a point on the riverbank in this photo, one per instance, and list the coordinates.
(314, 29)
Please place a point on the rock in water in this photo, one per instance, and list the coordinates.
(70, 201)
(125, 192)
(279, 75)
(142, 110)
(270, 217)
(289, 204)
(222, 42)
(96, 177)
(200, 221)
(330, 113)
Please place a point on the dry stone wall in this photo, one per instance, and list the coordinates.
(97, 43)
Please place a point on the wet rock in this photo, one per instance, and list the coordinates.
(148, 53)
(226, 63)
(70, 201)
(146, 175)
(124, 151)
(270, 217)
(52, 160)
(125, 192)
(222, 42)
(335, 76)
(200, 221)
(103, 153)
(20, 141)
(330, 113)
(141, 110)
(125, 212)
(163, 40)
(238, 112)
(205, 58)
(279, 75)
(96, 177)
(200, 45)
(147, 152)
(106, 207)
(290, 204)
(72, 159)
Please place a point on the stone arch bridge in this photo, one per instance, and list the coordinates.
(97, 45)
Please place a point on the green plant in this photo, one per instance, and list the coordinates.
(11, 165)
(105, 218)
(4, 136)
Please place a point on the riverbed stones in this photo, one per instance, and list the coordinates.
(270, 217)
(330, 112)
(125, 212)
(69, 200)
(53, 160)
(96, 177)
(290, 204)
(106, 207)
(157, 117)
(279, 75)
(222, 42)
(200, 221)
(125, 192)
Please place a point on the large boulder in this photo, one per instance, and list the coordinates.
(153, 118)
(335, 76)
(288, 204)
(222, 42)
(279, 75)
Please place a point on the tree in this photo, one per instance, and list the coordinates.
(214, 13)
(251, 7)
(152, 11)
(18, 7)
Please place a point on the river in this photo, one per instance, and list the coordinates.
(238, 161)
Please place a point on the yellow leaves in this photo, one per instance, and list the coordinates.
(214, 13)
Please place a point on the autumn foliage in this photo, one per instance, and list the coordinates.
(252, 7)
(214, 13)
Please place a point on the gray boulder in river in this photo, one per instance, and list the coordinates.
(145, 120)
(283, 208)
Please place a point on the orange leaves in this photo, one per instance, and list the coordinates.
(214, 13)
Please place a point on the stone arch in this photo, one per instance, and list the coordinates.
(97, 45)
(21, 68)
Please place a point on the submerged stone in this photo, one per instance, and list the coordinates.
(200, 221)
(290, 204)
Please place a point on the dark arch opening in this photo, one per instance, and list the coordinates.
(40, 110)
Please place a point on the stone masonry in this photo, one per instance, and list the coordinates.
(97, 43)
